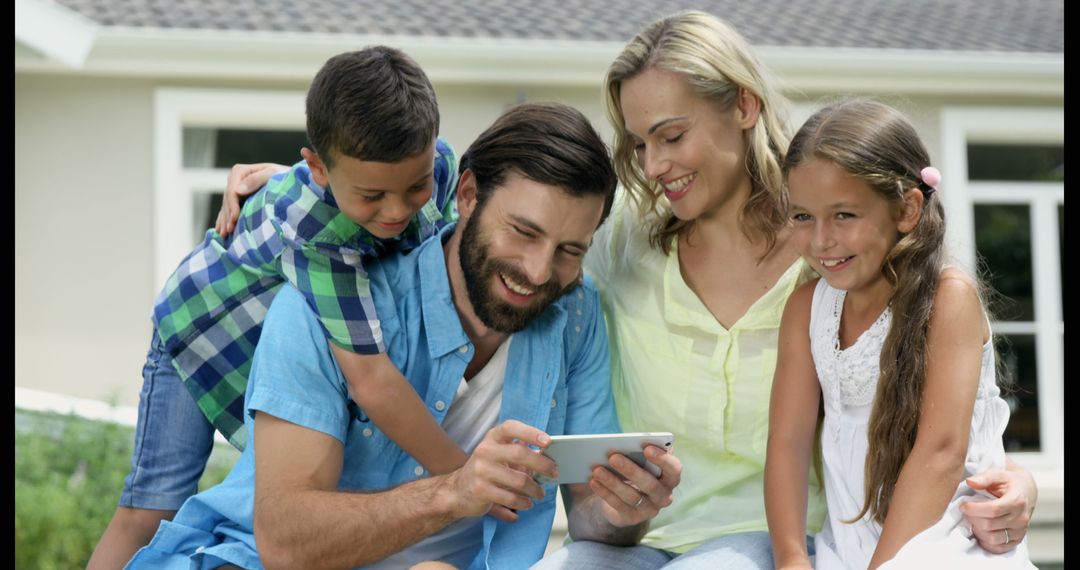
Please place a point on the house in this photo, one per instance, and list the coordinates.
(127, 112)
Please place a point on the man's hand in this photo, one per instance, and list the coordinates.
(633, 495)
(500, 471)
(1000, 524)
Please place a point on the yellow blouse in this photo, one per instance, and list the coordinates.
(675, 368)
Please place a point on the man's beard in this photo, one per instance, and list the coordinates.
(480, 271)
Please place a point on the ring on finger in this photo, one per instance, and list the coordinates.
(639, 501)
(1007, 539)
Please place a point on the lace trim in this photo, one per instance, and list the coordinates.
(851, 373)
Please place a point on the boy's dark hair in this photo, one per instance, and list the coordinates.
(548, 143)
(375, 104)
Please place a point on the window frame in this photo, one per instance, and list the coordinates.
(175, 186)
(961, 126)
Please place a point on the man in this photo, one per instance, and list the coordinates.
(498, 336)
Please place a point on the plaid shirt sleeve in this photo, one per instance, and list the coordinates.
(446, 181)
(335, 285)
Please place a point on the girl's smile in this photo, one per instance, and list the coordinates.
(842, 227)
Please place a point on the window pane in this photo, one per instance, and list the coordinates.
(1019, 387)
(1031, 163)
(1003, 241)
(205, 208)
(237, 145)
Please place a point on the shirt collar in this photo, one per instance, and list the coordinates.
(444, 330)
(683, 307)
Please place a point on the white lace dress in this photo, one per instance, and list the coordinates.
(848, 383)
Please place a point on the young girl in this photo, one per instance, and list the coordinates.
(900, 347)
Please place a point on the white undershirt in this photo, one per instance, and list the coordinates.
(472, 414)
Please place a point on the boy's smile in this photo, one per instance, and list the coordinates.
(382, 197)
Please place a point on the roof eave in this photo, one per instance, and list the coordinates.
(60, 37)
(261, 56)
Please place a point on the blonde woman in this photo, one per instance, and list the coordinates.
(694, 273)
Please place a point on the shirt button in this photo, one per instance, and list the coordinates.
(553, 403)
(440, 405)
(579, 312)
(580, 295)
(463, 349)
(577, 329)
(419, 470)
(367, 432)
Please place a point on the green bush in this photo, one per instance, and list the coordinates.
(68, 476)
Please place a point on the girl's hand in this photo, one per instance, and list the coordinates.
(244, 180)
(1007, 515)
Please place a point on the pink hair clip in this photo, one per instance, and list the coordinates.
(930, 176)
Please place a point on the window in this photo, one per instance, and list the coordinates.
(198, 134)
(1004, 191)
(208, 153)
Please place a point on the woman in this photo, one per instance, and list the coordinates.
(694, 275)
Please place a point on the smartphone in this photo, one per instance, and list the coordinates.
(576, 455)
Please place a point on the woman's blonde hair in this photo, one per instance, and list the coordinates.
(717, 63)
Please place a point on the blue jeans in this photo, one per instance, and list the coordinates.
(173, 439)
(748, 550)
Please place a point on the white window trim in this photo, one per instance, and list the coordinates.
(176, 108)
(959, 126)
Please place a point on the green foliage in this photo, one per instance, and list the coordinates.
(68, 476)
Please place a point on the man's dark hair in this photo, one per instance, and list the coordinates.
(548, 143)
(375, 104)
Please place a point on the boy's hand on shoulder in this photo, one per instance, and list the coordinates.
(244, 180)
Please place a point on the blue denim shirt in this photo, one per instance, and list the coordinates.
(557, 380)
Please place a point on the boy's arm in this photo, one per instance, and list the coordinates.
(386, 396)
(301, 425)
(340, 296)
(929, 477)
(793, 413)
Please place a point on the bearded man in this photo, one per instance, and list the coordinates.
(495, 329)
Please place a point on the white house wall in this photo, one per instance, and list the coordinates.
(84, 261)
(84, 225)
(82, 252)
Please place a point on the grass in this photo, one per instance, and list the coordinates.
(68, 476)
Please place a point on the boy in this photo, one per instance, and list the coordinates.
(369, 186)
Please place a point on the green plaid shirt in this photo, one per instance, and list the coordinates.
(210, 313)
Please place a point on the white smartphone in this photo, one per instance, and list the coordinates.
(576, 455)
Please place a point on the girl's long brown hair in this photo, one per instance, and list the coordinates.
(877, 144)
(717, 62)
